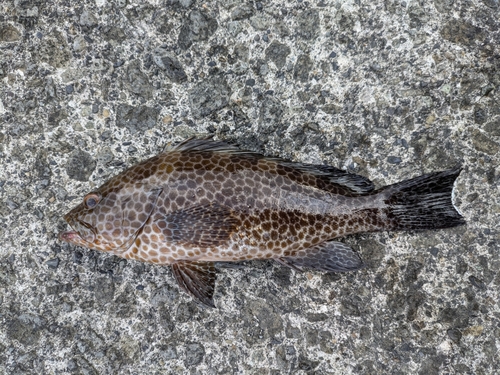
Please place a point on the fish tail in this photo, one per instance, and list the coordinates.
(424, 202)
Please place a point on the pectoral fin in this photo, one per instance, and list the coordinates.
(202, 225)
(197, 279)
(328, 256)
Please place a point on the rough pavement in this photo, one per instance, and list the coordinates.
(388, 89)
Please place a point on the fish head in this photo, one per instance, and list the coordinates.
(110, 218)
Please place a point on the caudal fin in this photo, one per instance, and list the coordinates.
(423, 202)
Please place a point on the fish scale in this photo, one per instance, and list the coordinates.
(206, 201)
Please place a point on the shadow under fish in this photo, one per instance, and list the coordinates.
(204, 201)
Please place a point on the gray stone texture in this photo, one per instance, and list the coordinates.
(387, 89)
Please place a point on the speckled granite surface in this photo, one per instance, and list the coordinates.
(387, 89)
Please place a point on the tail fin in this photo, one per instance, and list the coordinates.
(423, 202)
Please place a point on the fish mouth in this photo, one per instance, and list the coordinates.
(73, 237)
(81, 233)
(69, 236)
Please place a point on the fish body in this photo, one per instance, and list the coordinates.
(205, 201)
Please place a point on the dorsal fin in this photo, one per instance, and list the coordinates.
(205, 144)
(353, 182)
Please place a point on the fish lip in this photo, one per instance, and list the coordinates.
(69, 236)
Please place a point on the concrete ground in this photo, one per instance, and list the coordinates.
(387, 89)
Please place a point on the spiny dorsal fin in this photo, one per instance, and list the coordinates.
(353, 182)
(204, 144)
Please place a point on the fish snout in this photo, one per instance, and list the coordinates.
(68, 236)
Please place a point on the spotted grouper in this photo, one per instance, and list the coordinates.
(206, 201)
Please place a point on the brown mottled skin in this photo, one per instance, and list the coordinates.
(205, 201)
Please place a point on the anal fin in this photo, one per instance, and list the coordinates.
(330, 256)
(197, 279)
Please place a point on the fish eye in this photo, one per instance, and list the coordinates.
(91, 200)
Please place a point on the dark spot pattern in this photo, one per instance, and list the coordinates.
(204, 201)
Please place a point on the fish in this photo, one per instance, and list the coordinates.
(203, 201)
